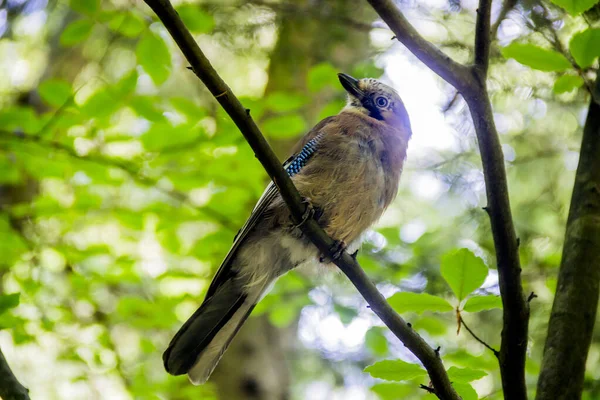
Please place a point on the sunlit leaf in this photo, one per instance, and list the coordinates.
(282, 315)
(463, 271)
(19, 118)
(322, 75)
(284, 126)
(101, 104)
(128, 23)
(376, 341)
(585, 47)
(164, 135)
(418, 302)
(480, 303)
(8, 301)
(392, 391)
(536, 57)
(76, 32)
(367, 69)
(284, 101)
(465, 375)
(55, 92)
(465, 391)
(395, 370)
(153, 55)
(196, 19)
(146, 106)
(85, 6)
(566, 83)
(575, 7)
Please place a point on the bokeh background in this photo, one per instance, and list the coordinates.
(122, 185)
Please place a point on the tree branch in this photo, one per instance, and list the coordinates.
(576, 301)
(482, 36)
(472, 85)
(462, 321)
(452, 72)
(10, 387)
(290, 195)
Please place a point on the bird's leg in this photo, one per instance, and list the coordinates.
(336, 250)
(309, 212)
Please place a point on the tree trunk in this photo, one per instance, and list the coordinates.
(576, 301)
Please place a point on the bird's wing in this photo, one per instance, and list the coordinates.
(306, 148)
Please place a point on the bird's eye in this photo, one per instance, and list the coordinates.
(381, 102)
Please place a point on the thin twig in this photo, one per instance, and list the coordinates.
(462, 321)
(202, 67)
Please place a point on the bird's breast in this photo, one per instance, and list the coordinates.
(352, 184)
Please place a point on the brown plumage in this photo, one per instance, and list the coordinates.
(348, 166)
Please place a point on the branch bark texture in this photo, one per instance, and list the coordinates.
(241, 117)
(470, 81)
(576, 300)
(10, 387)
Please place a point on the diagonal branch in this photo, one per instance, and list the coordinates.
(472, 85)
(10, 387)
(452, 72)
(241, 117)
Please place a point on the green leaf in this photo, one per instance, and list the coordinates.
(8, 301)
(284, 126)
(376, 341)
(463, 271)
(100, 104)
(127, 23)
(392, 391)
(465, 391)
(566, 83)
(283, 101)
(196, 19)
(480, 303)
(395, 370)
(320, 76)
(145, 107)
(161, 135)
(575, 7)
(13, 118)
(465, 375)
(585, 47)
(85, 6)
(367, 69)
(76, 32)
(282, 315)
(55, 92)
(536, 57)
(153, 55)
(418, 302)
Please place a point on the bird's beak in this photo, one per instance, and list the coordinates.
(351, 85)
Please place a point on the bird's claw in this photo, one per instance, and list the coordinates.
(309, 212)
(336, 250)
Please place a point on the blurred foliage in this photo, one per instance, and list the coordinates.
(122, 184)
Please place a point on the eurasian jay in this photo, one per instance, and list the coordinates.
(348, 166)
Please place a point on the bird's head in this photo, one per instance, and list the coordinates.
(375, 99)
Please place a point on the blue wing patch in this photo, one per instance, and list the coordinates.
(303, 156)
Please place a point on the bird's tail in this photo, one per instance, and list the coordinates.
(200, 343)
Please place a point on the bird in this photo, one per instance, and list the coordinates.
(347, 168)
